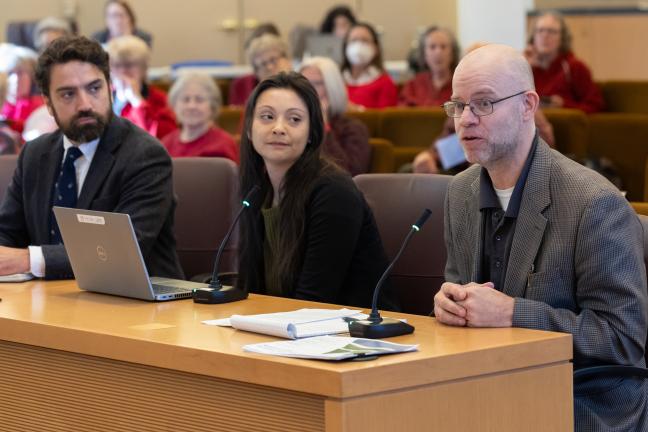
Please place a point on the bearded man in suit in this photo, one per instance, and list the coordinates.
(94, 161)
(535, 240)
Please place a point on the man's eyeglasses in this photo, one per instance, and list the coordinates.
(479, 107)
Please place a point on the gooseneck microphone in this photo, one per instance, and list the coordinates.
(376, 327)
(217, 292)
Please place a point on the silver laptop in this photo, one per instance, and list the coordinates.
(324, 45)
(106, 257)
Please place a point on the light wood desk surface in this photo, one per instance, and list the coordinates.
(47, 316)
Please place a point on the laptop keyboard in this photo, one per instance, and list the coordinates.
(161, 289)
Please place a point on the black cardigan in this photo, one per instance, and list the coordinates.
(343, 253)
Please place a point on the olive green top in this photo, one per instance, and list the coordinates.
(270, 247)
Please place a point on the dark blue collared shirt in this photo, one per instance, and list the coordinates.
(498, 226)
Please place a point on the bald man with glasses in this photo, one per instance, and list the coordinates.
(535, 240)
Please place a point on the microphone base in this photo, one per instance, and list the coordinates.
(386, 328)
(226, 294)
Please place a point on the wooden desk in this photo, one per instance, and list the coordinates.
(78, 361)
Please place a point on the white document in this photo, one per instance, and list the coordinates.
(17, 277)
(329, 348)
(292, 325)
(450, 151)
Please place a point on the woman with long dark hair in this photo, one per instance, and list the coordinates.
(309, 233)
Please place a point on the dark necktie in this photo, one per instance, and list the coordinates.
(65, 190)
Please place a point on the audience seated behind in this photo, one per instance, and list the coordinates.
(196, 101)
(21, 33)
(368, 84)
(419, 273)
(133, 98)
(561, 80)
(438, 55)
(268, 55)
(23, 97)
(438, 47)
(10, 141)
(338, 20)
(120, 21)
(309, 233)
(48, 29)
(347, 139)
(40, 121)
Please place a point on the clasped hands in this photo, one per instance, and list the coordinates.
(473, 305)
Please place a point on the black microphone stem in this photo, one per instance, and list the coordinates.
(376, 327)
(215, 282)
(375, 315)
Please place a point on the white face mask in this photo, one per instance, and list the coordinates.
(360, 53)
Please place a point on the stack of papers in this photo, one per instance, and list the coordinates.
(295, 324)
(329, 348)
(17, 277)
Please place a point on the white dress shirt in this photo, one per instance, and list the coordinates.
(81, 166)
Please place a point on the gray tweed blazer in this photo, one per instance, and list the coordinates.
(576, 266)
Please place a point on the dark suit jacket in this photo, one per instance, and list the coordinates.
(576, 266)
(130, 173)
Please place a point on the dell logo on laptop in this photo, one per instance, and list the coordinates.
(101, 253)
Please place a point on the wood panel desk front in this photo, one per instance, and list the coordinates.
(78, 361)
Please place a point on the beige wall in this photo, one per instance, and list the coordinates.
(557, 4)
(193, 29)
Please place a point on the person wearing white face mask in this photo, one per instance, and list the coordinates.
(368, 85)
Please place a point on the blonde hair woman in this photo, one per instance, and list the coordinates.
(133, 98)
(268, 55)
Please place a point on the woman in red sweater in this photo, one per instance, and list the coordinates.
(438, 55)
(23, 98)
(561, 80)
(196, 101)
(368, 85)
(133, 98)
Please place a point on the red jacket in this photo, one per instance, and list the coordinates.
(419, 91)
(213, 143)
(17, 113)
(153, 115)
(570, 79)
(240, 89)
